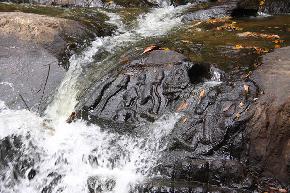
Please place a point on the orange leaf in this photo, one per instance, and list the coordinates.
(150, 48)
(246, 89)
(202, 94)
(182, 106)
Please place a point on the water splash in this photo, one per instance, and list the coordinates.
(155, 23)
(74, 157)
(77, 152)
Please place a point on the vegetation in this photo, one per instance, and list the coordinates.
(93, 19)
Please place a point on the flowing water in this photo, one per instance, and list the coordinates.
(75, 157)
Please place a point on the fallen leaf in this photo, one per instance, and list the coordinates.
(254, 34)
(277, 46)
(238, 46)
(184, 119)
(182, 106)
(241, 104)
(150, 48)
(202, 94)
(166, 49)
(185, 41)
(261, 3)
(227, 108)
(246, 89)
(238, 115)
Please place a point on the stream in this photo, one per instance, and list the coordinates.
(71, 158)
(127, 119)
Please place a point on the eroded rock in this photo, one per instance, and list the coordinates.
(207, 143)
(269, 129)
(143, 89)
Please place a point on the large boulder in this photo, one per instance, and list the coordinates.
(217, 9)
(251, 7)
(206, 144)
(143, 89)
(276, 6)
(30, 47)
(269, 129)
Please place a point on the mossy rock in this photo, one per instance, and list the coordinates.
(93, 19)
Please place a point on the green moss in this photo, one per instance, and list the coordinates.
(210, 42)
(94, 20)
(130, 3)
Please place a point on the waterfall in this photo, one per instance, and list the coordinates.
(72, 158)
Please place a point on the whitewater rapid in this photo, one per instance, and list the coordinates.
(67, 156)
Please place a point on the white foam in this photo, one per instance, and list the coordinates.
(66, 149)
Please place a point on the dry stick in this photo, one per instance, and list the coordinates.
(48, 72)
(27, 107)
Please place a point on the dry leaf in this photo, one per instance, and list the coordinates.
(238, 46)
(227, 108)
(150, 48)
(184, 119)
(238, 115)
(254, 34)
(185, 41)
(182, 106)
(246, 89)
(241, 104)
(202, 94)
(166, 49)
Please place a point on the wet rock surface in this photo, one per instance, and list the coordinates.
(31, 46)
(251, 7)
(216, 10)
(276, 7)
(49, 32)
(268, 130)
(13, 164)
(29, 75)
(143, 89)
(207, 143)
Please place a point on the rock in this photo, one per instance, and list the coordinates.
(276, 7)
(246, 8)
(30, 45)
(251, 7)
(29, 75)
(215, 10)
(207, 143)
(13, 163)
(98, 184)
(143, 89)
(31, 48)
(269, 129)
(49, 32)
